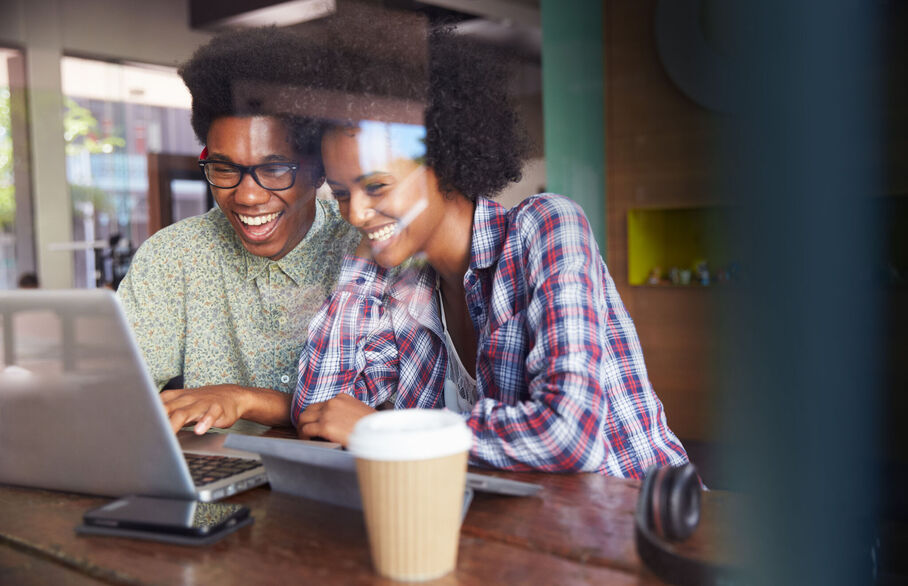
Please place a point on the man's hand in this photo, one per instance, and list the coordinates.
(332, 420)
(223, 405)
(207, 407)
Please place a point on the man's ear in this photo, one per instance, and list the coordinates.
(317, 174)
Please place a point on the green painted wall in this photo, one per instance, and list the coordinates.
(573, 105)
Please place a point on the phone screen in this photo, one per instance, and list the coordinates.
(166, 515)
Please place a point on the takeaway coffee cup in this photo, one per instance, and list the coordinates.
(412, 466)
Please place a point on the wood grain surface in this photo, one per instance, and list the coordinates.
(579, 529)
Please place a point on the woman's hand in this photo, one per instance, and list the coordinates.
(332, 420)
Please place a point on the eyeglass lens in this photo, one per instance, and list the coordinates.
(269, 176)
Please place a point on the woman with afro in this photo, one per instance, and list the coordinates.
(508, 317)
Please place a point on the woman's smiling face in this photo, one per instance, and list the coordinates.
(393, 201)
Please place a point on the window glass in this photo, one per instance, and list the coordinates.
(16, 246)
(115, 115)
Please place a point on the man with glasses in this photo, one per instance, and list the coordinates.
(223, 300)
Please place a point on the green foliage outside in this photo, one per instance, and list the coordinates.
(79, 132)
(7, 191)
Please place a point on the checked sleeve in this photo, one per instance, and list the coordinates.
(368, 341)
(350, 347)
(557, 425)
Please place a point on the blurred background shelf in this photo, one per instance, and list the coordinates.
(659, 239)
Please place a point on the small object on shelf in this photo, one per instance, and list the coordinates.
(655, 276)
(701, 269)
(674, 274)
(685, 276)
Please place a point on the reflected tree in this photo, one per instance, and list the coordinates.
(7, 189)
(80, 131)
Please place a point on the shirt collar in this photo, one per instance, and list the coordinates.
(292, 263)
(490, 225)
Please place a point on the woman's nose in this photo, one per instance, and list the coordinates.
(360, 208)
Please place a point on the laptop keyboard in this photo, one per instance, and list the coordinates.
(208, 469)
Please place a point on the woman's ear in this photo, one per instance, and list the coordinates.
(433, 186)
(431, 180)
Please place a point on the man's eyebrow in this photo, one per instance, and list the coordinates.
(330, 182)
(273, 158)
(278, 158)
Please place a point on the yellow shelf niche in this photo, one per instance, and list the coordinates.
(675, 237)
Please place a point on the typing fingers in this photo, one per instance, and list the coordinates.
(176, 399)
(182, 416)
(209, 419)
(186, 409)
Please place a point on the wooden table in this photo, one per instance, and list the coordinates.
(580, 529)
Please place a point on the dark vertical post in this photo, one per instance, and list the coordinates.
(801, 337)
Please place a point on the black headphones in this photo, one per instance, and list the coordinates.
(668, 510)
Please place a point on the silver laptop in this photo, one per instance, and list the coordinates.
(79, 412)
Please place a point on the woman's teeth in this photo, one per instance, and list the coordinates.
(383, 234)
(257, 220)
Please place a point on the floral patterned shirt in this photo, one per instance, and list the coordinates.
(200, 305)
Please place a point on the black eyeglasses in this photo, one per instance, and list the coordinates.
(271, 176)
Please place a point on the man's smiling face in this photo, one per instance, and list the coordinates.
(269, 223)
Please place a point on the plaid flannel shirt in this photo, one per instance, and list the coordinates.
(561, 383)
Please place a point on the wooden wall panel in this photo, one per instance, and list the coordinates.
(659, 153)
(662, 150)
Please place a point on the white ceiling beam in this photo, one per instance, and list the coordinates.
(501, 10)
(281, 14)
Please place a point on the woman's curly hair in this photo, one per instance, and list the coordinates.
(475, 141)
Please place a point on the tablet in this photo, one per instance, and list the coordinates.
(328, 474)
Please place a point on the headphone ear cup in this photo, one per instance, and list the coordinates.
(644, 500)
(662, 486)
(673, 493)
(682, 513)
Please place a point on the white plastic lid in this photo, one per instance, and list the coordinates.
(410, 434)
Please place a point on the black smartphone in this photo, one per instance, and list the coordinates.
(166, 516)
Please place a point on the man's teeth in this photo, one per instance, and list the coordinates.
(383, 234)
(257, 220)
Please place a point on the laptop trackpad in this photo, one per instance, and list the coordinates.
(210, 443)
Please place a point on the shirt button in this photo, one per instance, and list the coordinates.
(360, 280)
(285, 379)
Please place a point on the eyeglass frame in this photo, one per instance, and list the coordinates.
(251, 170)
